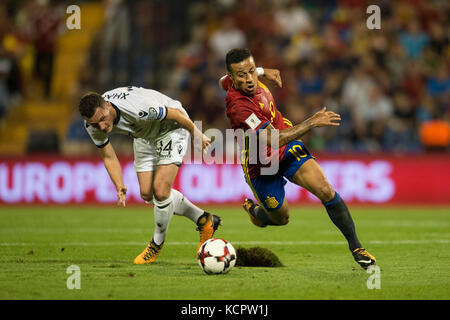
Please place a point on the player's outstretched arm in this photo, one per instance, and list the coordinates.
(180, 117)
(114, 169)
(321, 118)
(270, 74)
(273, 75)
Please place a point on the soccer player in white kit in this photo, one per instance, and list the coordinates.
(160, 128)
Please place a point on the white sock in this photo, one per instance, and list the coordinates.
(183, 207)
(163, 211)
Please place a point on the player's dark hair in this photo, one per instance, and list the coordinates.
(89, 103)
(236, 56)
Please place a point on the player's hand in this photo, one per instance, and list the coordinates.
(200, 141)
(121, 196)
(205, 142)
(324, 118)
(273, 75)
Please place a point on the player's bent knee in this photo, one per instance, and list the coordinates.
(161, 194)
(280, 218)
(280, 221)
(147, 196)
(284, 220)
(326, 192)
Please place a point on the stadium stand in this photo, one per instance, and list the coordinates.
(385, 83)
(42, 117)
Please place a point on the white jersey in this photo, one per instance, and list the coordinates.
(140, 113)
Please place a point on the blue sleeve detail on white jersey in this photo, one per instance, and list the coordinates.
(157, 113)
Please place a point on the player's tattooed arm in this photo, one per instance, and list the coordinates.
(321, 118)
(197, 136)
(114, 169)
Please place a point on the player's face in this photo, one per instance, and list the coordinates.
(244, 76)
(102, 119)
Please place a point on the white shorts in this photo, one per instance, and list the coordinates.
(170, 148)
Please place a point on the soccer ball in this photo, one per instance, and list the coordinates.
(216, 256)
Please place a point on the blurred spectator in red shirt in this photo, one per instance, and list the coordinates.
(45, 21)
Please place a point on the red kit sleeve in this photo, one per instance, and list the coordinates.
(226, 83)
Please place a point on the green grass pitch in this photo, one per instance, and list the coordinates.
(38, 244)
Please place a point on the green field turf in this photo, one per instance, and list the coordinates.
(37, 244)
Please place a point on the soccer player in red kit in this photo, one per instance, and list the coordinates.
(250, 106)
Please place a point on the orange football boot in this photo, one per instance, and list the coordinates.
(363, 257)
(248, 204)
(149, 254)
(207, 224)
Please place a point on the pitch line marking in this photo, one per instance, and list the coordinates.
(182, 243)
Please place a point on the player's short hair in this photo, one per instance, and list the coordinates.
(89, 103)
(236, 56)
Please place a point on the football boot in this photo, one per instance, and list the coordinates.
(249, 205)
(364, 258)
(149, 254)
(207, 224)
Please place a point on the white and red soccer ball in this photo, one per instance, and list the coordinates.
(216, 256)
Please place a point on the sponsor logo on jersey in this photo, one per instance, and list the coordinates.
(142, 114)
(117, 95)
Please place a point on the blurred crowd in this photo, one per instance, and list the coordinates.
(135, 44)
(28, 33)
(390, 85)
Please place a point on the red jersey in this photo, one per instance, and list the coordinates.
(253, 113)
